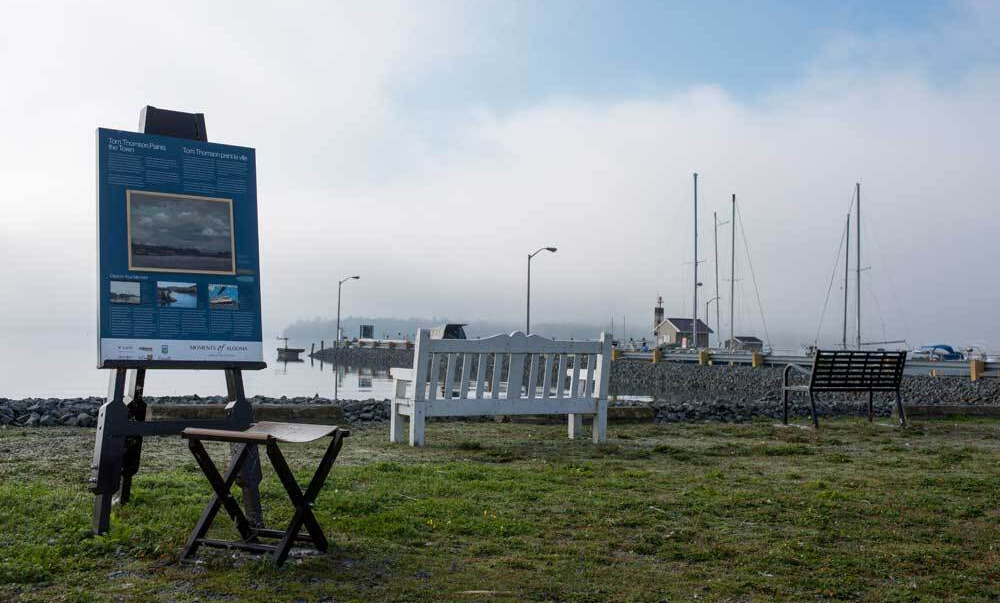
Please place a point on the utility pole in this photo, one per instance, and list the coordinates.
(336, 343)
(694, 321)
(847, 270)
(857, 193)
(527, 313)
(732, 277)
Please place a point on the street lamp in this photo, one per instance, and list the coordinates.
(336, 344)
(714, 299)
(527, 317)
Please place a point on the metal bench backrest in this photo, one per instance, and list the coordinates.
(857, 371)
(467, 375)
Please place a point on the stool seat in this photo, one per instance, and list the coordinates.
(295, 433)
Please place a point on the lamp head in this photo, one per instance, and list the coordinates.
(552, 249)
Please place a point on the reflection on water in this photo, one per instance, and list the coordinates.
(35, 368)
(353, 382)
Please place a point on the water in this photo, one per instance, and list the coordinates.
(183, 300)
(65, 368)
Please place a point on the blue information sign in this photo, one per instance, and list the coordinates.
(178, 261)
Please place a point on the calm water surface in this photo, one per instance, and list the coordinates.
(65, 369)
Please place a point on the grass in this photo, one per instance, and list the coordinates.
(515, 512)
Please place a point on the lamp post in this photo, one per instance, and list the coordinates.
(336, 344)
(707, 304)
(527, 316)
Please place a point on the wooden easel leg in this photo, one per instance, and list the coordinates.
(133, 444)
(240, 412)
(109, 450)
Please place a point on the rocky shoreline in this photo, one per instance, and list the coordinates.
(677, 392)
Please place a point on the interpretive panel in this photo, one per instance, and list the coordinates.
(178, 260)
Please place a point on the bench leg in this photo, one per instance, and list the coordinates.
(812, 407)
(871, 407)
(417, 424)
(899, 409)
(575, 426)
(601, 422)
(784, 408)
(396, 423)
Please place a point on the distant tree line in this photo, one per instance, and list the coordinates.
(316, 329)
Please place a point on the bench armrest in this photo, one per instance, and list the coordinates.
(401, 378)
(401, 374)
(797, 368)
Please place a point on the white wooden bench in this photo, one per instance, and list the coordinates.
(460, 393)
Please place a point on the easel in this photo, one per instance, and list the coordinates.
(122, 422)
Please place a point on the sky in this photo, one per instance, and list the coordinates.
(429, 147)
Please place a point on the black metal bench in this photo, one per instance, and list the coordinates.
(848, 371)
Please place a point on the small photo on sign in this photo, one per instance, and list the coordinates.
(180, 233)
(176, 295)
(224, 297)
(125, 292)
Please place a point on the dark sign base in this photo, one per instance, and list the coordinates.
(196, 365)
(121, 425)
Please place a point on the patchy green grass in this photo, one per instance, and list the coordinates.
(515, 512)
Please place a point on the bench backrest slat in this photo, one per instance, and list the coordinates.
(444, 369)
(852, 370)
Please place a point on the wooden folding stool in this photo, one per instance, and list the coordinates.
(267, 434)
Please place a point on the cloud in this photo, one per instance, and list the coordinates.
(440, 223)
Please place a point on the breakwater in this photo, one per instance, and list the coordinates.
(677, 392)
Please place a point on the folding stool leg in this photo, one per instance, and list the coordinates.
(812, 407)
(222, 496)
(303, 506)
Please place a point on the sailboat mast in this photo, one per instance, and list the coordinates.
(694, 320)
(732, 276)
(857, 259)
(715, 240)
(847, 281)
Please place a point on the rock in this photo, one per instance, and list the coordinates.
(84, 420)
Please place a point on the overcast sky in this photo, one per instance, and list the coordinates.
(429, 146)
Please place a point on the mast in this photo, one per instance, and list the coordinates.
(715, 240)
(694, 321)
(732, 277)
(847, 270)
(857, 259)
